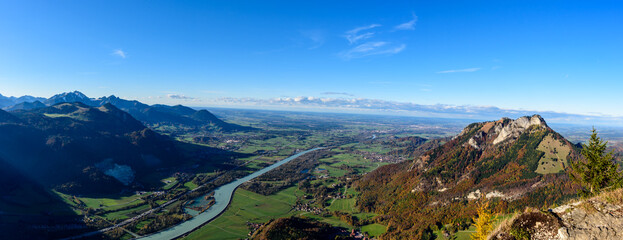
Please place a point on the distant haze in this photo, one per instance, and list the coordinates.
(350, 105)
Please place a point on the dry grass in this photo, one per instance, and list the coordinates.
(588, 207)
(613, 197)
(487, 126)
(504, 226)
(555, 158)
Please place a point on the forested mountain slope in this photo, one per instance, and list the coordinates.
(82, 149)
(516, 163)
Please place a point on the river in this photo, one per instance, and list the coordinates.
(222, 197)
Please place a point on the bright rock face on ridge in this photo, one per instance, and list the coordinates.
(517, 127)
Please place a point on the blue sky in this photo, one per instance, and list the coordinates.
(562, 56)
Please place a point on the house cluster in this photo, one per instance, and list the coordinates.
(253, 227)
(183, 176)
(307, 208)
(376, 157)
(356, 234)
(156, 193)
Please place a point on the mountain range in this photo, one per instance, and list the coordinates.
(91, 149)
(10, 101)
(85, 146)
(148, 114)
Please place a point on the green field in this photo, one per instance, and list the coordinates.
(460, 235)
(374, 229)
(125, 214)
(190, 185)
(344, 205)
(333, 171)
(248, 206)
(104, 202)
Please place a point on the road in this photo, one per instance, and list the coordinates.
(130, 220)
(156, 209)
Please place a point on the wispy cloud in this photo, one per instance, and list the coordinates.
(338, 93)
(460, 70)
(153, 97)
(372, 39)
(356, 38)
(410, 25)
(354, 35)
(372, 48)
(179, 97)
(368, 47)
(359, 29)
(317, 37)
(119, 52)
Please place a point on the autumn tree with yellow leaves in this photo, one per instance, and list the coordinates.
(484, 221)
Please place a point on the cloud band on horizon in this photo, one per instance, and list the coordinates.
(365, 105)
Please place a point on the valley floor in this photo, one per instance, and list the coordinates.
(353, 149)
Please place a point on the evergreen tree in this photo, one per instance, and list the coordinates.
(597, 171)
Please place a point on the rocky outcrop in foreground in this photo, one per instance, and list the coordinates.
(596, 218)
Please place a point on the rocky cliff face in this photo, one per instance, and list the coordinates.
(504, 130)
(592, 219)
(482, 149)
(596, 218)
(513, 129)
